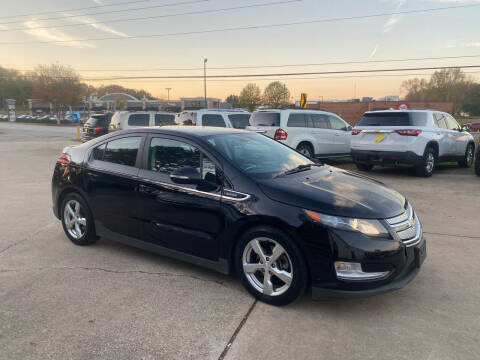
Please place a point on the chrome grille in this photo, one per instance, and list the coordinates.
(407, 227)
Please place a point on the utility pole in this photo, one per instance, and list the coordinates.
(205, 80)
(168, 93)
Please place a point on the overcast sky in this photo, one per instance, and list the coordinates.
(451, 32)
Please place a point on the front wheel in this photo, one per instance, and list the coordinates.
(77, 220)
(270, 266)
(428, 164)
(305, 149)
(467, 160)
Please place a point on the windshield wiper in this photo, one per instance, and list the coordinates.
(297, 169)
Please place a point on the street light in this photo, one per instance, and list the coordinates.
(205, 80)
(168, 93)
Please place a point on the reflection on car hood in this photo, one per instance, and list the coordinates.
(333, 191)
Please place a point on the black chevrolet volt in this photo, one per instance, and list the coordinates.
(240, 203)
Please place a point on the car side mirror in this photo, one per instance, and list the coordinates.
(349, 128)
(186, 175)
(464, 128)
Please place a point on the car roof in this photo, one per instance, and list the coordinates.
(401, 111)
(308, 111)
(191, 131)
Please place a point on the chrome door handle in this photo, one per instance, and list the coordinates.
(146, 189)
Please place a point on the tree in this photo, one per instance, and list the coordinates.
(250, 97)
(14, 85)
(415, 89)
(276, 95)
(472, 101)
(57, 84)
(233, 100)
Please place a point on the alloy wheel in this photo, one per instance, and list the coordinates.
(469, 157)
(74, 219)
(267, 266)
(430, 162)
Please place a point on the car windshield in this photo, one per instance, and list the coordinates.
(394, 119)
(239, 121)
(257, 155)
(263, 118)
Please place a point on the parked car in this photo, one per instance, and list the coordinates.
(122, 120)
(420, 138)
(316, 134)
(239, 202)
(474, 126)
(97, 125)
(237, 119)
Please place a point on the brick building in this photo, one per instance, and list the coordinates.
(352, 112)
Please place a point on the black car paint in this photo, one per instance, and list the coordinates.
(130, 205)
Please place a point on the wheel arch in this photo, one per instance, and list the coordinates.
(307, 142)
(68, 190)
(433, 144)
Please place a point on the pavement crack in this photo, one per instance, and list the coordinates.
(453, 235)
(26, 238)
(162, 274)
(237, 331)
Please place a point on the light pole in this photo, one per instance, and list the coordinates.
(168, 93)
(205, 80)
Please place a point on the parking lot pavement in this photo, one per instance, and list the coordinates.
(109, 301)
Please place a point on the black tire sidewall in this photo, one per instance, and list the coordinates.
(307, 147)
(300, 272)
(364, 167)
(464, 163)
(89, 237)
(422, 169)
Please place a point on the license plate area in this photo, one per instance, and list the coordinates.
(420, 253)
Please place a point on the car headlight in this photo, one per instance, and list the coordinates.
(369, 227)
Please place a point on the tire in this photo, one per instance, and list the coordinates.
(77, 220)
(467, 160)
(364, 167)
(288, 263)
(305, 149)
(429, 162)
(477, 164)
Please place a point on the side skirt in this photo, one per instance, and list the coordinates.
(220, 266)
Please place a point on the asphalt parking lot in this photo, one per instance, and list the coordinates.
(109, 301)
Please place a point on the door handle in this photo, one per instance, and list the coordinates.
(146, 189)
(92, 174)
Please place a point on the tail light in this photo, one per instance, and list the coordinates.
(64, 159)
(409, 132)
(97, 129)
(280, 134)
(356, 131)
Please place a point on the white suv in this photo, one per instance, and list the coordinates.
(237, 119)
(415, 137)
(122, 120)
(314, 133)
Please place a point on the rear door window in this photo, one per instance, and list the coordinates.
(164, 119)
(296, 120)
(451, 123)
(122, 151)
(98, 120)
(394, 119)
(336, 123)
(265, 119)
(239, 121)
(440, 120)
(320, 121)
(213, 120)
(139, 120)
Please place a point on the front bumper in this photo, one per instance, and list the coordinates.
(386, 157)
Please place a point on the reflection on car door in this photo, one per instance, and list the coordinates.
(181, 217)
(111, 180)
(445, 136)
(320, 128)
(460, 138)
(342, 136)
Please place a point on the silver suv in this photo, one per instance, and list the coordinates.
(421, 138)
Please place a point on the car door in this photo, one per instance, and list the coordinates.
(111, 180)
(181, 217)
(343, 134)
(460, 138)
(323, 133)
(444, 136)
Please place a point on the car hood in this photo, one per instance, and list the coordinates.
(333, 191)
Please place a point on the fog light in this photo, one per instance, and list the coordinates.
(353, 271)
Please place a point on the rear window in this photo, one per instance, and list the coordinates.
(265, 119)
(98, 120)
(164, 119)
(239, 121)
(394, 119)
(139, 120)
(213, 120)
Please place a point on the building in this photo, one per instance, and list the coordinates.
(197, 103)
(352, 112)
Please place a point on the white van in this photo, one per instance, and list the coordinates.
(314, 133)
(122, 120)
(238, 119)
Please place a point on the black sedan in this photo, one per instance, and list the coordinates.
(239, 202)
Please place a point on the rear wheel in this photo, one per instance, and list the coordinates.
(305, 149)
(429, 162)
(467, 160)
(270, 266)
(364, 167)
(77, 220)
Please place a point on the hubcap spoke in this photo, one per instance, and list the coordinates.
(285, 276)
(258, 249)
(267, 284)
(70, 210)
(82, 221)
(252, 268)
(277, 251)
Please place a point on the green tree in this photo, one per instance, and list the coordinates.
(250, 97)
(233, 100)
(415, 89)
(276, 95)
(472, 101)
(14, 85)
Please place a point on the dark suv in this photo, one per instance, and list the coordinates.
(96, 125)
(239, 202)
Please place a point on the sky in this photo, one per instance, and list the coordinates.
(453, 32)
